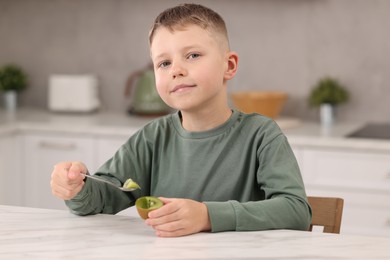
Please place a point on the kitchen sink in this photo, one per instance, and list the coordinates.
(373, 130)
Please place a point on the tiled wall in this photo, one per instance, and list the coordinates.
(283, 45)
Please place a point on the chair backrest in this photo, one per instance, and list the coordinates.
(327, 212)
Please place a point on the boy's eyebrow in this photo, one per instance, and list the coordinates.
(159, 56)
(194, 46)
(184, 49)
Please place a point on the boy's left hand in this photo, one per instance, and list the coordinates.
(179, 217)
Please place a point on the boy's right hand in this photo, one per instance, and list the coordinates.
(66, 179)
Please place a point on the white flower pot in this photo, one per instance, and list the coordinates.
(327, 114)
(10, 100)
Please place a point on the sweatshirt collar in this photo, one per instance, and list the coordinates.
(176, 118)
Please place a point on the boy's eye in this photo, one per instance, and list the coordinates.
(164, 64)
(193, 55)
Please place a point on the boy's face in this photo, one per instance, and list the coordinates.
(190, 68)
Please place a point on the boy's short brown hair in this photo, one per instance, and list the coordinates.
(190, 14)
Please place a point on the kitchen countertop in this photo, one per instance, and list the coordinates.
(98, 123)
(310, 134)
(56, 234)
(299, 133)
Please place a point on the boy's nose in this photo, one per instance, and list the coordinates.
(177, 70)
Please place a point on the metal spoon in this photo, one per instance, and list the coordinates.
(124, 188)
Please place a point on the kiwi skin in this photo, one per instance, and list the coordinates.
(147, 204)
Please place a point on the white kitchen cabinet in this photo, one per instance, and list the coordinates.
(10, 168)
(107, 146)
(40, 153)
(361, 178)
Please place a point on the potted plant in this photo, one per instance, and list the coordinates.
(12, 80)
(328, 93)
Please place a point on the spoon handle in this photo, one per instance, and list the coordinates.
(99, 179)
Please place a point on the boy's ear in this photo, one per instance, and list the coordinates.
(232, 63)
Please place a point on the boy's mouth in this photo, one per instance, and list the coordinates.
(181, 87)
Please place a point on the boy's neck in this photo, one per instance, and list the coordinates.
(206, 119)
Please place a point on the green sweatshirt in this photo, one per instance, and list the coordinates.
(244, 171)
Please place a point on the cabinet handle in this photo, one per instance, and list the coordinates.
(57, 146)
(388, 175)
(388, 222)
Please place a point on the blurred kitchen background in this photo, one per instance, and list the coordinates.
(284, 45)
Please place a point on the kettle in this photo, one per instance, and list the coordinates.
(145, 99)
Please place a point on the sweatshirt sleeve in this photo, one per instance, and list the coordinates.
(96, 197)
(284, 205)
(132, 160)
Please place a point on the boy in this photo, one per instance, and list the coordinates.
(215, 169)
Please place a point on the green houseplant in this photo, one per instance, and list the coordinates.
(12, 80)
(328, 90)
(328, 93)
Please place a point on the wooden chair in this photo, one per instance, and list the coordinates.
(327, 212)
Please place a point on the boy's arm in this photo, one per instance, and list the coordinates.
(276, 213)
(82, 196)
(285, 204)
(130, 161)
(97, 197)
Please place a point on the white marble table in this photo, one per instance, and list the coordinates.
(31, 233)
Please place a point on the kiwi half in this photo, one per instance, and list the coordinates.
(147, 204)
